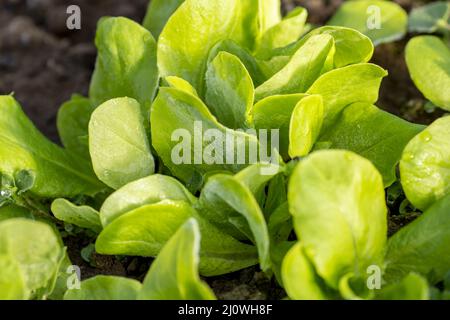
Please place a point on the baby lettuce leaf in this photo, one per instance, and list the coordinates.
(180, 84)
(158, 12)
(81, 216)
(269, 14)
(56, 172)
(344, 86)
(425, 163)
(105, 288)
(430, 18)
(12, 284)
(144, 231)
(118, 143)
(196, 26)
(422, 246)
(230, 205)
(411, 287)
(275, 112)
(277, 253)
(353, 287)
(244, 56)
(72, 122)
(280, 224)
(174, 273)
(351, 47)
(381, 21)
(229, 90)
(179, 121)
(300, 280)
(373, 134)
(256, 176)
(430, 75)
(303, 69)
(276, 194)
(337, 200)
(126, 63)
(61, 278)
(145, 191)
(305, 125)
(283, 33)
(36, 249)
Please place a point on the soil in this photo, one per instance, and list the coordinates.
(44, 63)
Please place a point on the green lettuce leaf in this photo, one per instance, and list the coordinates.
(72, 122)
(305, 125)
(373, 134)
(118, 143)
(422, 246)
(430, 18)
(411, 287)
(351, 47)
(12, 283)
(144, 231)
(145, 191)
(280, 224)
(105, 288)
(174, 273)
(337, 200)
(229, 90)
(303, 69)
(283, 33)
(344, 86)
(57, 173)
(183, 143)
(158, 12)
(12, 211)
(275, 112)
(196, 27)
(36, 249)
(425, 163)
(230, 205)
(430, 75)
(269, 14)
(300, 279)
(180, 84)
(276, 194)
(81, 216)
(244, 55)
(126, 63)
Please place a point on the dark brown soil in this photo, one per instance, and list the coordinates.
(44, 63)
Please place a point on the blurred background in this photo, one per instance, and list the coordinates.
(44, 63)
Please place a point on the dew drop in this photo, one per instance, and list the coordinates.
(426, 136)
(409, 156)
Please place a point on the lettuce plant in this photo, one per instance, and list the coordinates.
(325, 265)
(206, 140)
